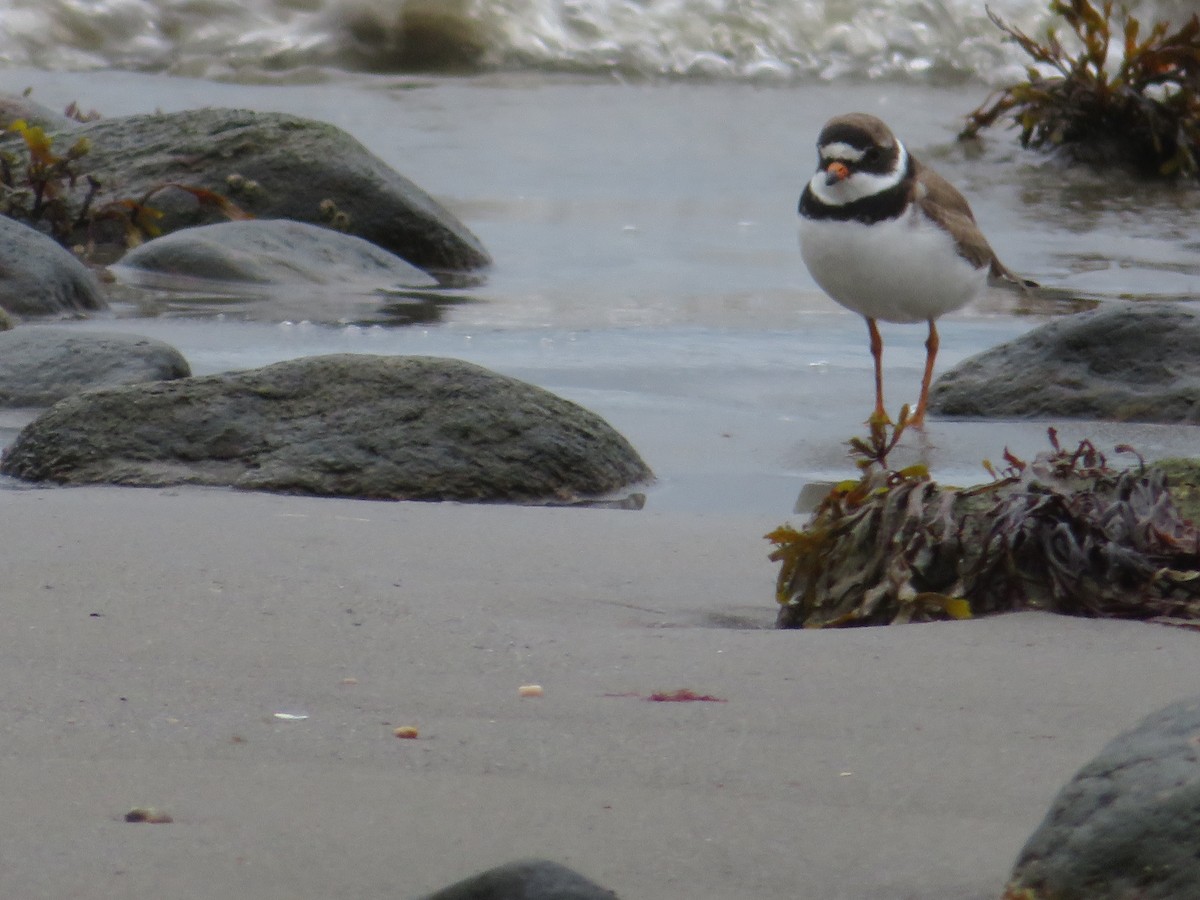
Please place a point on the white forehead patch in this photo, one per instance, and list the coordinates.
(860, 184)
(841, 150)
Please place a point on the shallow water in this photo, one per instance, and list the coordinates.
(646, 265)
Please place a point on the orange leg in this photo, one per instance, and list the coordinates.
(931, 349)
(877, 354)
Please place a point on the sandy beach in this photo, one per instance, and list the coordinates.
(241, 662)
(154, 637)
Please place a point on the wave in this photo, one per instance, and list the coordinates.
(931, 40)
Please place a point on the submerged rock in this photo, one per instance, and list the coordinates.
(40, 278)
(1129, 362)
(40, 366)
(1125, 826)
(536, 879)
(275, 166)
(277, 270)
(273, 252)
(402, 428)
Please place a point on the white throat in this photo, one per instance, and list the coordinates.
(860, 184)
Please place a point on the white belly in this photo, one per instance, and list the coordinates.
(899, 270)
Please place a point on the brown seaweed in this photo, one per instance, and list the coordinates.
(1142, 111)
(49, 189)
(1066, 533)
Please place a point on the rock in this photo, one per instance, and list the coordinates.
(1125, 826)
(403, 428)
(525, 880)
(40, 366)
(1183, 476)
(40, 278)
(274, 252)
(19, 107)
(1131, 362)
(273, 166)
(277, 270)
(148, 814)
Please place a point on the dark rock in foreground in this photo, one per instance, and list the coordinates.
(525, 880)
(273, 252)
(1129, 362)
(40, 366)
(1125, 826)
(40, 278)
(402, 428)
(273, 166)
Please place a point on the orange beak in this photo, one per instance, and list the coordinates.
(835, 172)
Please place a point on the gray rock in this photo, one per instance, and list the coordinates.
(274, 252)
(273, 166)
(38, 277)
(1131, 362)
(526, 880)
(1125, 826)
(19, 107)
(413, 428)
(40, 366)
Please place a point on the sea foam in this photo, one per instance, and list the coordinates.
(935, 41)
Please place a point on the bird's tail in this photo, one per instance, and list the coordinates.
(1000, 272)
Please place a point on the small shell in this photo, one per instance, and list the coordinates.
(530, 690)
(407, 732)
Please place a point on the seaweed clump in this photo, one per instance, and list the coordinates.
(1143, 112)
(1065, 533)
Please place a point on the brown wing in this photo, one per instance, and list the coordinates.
(941, 201)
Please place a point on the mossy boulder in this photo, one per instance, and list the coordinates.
(40, 366)
(535, 879)
(40, 278)
(22, 108)
(1128, 362)
(401, 428)
(271, 165)
(1125, 826)
(272, 252)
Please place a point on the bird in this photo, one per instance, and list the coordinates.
(890, 239)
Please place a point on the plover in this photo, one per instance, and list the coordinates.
(889, 238)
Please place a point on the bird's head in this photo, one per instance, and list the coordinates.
(858, 156)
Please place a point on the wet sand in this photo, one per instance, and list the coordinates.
(152, 637)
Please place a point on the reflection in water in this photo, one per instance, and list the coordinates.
(155, 295)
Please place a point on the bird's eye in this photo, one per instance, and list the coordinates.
(871, 155)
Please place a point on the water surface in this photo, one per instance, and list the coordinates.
(646, 264)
